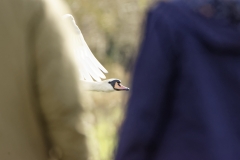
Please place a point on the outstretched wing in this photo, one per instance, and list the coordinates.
(90, 68)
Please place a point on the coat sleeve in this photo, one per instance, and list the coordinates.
(58, 86)
(148, 108)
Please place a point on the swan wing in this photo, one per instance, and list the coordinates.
(90, 67)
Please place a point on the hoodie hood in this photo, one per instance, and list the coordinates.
(225, 10)
(213, 22)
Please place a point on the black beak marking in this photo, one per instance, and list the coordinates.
(113, 82)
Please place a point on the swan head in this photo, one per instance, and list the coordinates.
(116, 85)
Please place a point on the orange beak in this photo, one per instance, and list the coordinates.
(120, 87)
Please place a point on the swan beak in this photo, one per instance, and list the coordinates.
(120, 87)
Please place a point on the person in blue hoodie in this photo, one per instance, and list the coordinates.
(185, 98)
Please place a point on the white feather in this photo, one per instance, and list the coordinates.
(90, 67)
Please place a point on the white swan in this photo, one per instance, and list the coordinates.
(90, 68)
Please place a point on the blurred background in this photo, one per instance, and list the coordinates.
(112, 30)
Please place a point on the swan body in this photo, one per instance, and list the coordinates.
(91, 71)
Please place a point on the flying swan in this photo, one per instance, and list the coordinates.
(90, 68)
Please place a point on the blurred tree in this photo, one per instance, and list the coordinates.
(110, 27)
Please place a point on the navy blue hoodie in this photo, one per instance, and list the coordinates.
(185, 98)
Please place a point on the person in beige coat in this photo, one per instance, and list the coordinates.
(40, 109)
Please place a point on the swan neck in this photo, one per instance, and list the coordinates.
(94, 86)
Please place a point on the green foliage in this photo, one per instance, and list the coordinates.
(110, 27)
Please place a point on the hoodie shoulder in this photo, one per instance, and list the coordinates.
(169, 13)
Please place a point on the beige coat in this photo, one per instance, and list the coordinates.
(39, 97)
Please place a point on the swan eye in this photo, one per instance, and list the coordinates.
(119, 84)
